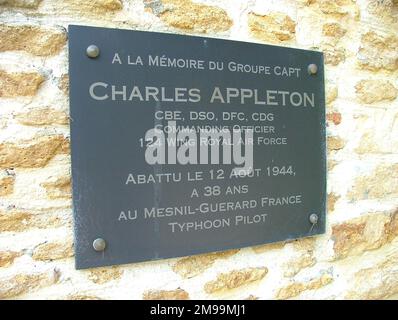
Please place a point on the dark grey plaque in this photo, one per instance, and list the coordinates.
(165, 207)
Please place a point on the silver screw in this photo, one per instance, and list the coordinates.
(92, 51)
(312, 68)
(99, 244)
(314, 218)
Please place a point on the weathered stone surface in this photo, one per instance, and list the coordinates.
(19, 84)
(367, 144)
(155, 6)
(332, 7)
(8, 257)
(378, 52)
(370, 144)
(332, 198)
(3, 123)
(7, 180)
(302, 257)
(192, 266)
(82, 297)
(331, 164)
(267, 247)
(331, 92)
(61, 249)
(63, 83)
(333, 55)
(58, 187)
(14, 221)
(384, 10)
(381, 183)
(177, 294)
(192, 16)
(392, 227)
(377, 282)
(106, 274)
(31, 4)
(296, 264)
(108, 5)
(99, 8)
(379, 132)
(294, 289)
(33, 153)
(274, 27)
(367, 136)
(335, 143)
(333, 117)
(32, 39)
(235, 279)
(333, 29)
(65, 147)
(24, 283)
(304, 244)
(371, 91)
(42, 116)
(305, 2)
(364, 233)
(339, 8)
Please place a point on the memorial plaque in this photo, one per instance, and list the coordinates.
(184, 145)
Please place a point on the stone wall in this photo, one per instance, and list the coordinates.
(358, 255)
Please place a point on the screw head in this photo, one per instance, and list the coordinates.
(313, 218)
(312, 68)
(92, 51)
(99, 244)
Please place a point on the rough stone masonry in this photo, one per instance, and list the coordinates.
(357, 258)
